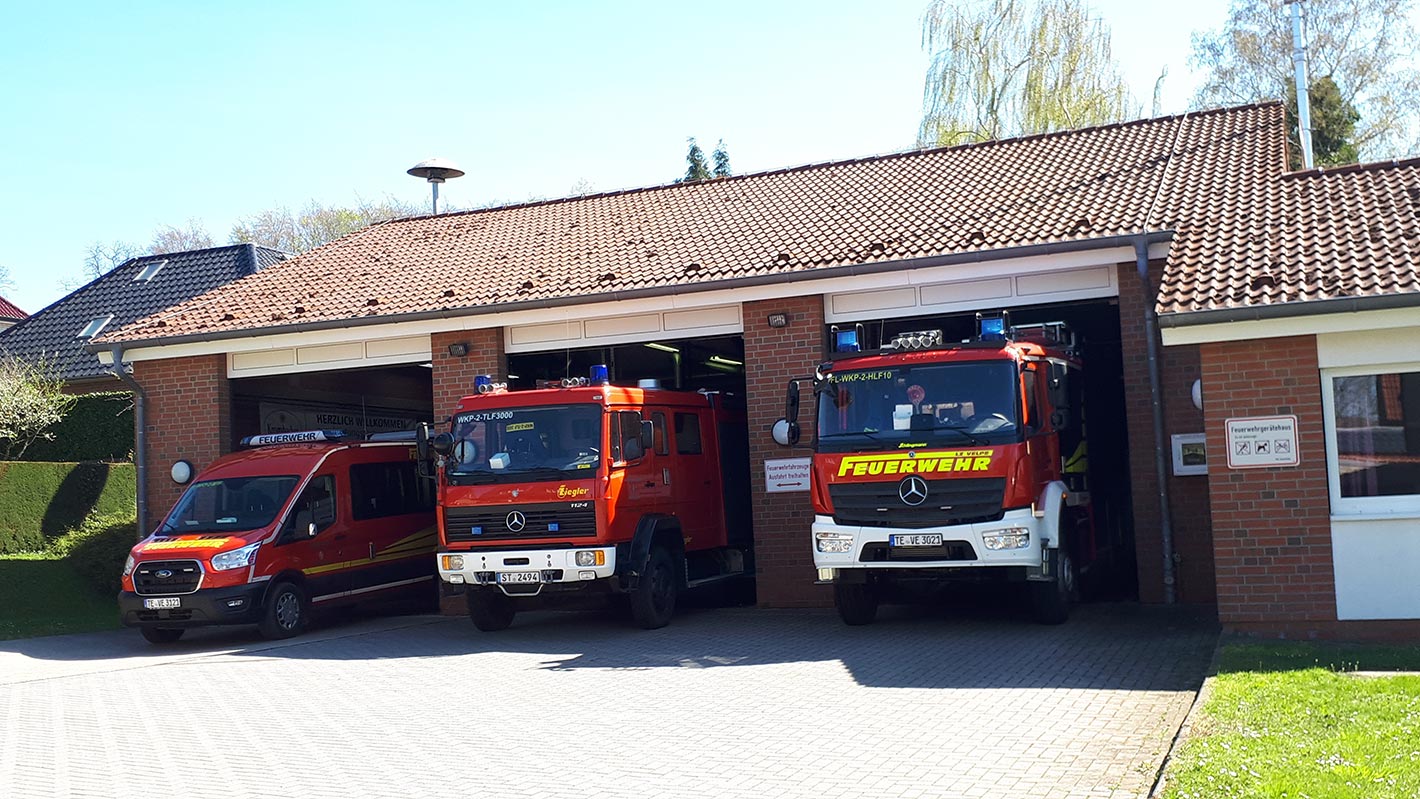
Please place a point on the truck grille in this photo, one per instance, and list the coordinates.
(949, 550)
(166, 577)
(963, 501)
(545, 520)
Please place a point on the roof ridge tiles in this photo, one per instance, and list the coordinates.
(1345, 169)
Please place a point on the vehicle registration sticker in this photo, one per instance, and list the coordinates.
(519, 577)
(163, 603)
(916, 540)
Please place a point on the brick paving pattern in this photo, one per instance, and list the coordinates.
(724, 703)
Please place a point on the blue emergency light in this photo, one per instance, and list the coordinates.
(482, 384)
(599, 374)
(846, 341)
(991, 328)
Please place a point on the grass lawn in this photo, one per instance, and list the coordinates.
(45, 596)
(1289, 720)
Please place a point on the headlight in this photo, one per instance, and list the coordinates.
(128, 566)
(833, 542)
(591, 557)
(236, 559)
(452, 563)
(1010, 538)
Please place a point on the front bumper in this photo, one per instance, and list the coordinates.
(552, 567)
(866, 538)
(237, 604)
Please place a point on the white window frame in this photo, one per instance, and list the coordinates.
(97, 324)
(1397, 506)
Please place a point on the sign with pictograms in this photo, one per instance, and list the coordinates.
(787, 474)
(1256, 442)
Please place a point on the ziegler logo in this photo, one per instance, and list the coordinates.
(974, 460)
(564, 492)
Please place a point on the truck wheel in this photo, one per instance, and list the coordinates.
(653, 600)
(490, 609)
(285, 613)
(1050, 601)
(857, 603)
(161, 635)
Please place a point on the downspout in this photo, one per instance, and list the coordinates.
(1151, 335)
(140, 434)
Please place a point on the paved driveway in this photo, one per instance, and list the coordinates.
(723, 703)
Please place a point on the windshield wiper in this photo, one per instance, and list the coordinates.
(873, 434)
(962, 431)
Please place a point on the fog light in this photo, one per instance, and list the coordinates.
(453, 563)
(236, 603)
(456, 579)
(586, 575)
(591, 557)
(1010, 538)
(833, 542)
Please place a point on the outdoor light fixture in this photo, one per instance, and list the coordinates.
(778, 320)
(458, 350)
(181, 472)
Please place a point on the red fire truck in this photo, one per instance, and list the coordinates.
(939, 461)
(551, 494)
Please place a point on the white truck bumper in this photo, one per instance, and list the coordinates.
(522, 572)
(850, 541)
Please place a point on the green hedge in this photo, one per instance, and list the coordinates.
(98, 548)
(39, 502)
(98, 428)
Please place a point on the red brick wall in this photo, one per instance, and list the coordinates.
(453, 376)
(781, 521)
(188, 418)
(1271, 527)
(1188, 496)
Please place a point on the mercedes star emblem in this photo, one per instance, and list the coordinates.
(516, 521)
(912, 490)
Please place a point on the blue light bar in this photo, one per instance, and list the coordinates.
(482, 384)
(846, 341)
(993, 328)
(599, 374)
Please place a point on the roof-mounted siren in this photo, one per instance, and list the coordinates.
(915, 340)
(436, 171)
(847, 339)
(483, 384)
(993, 326)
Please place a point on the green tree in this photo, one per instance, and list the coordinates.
(1333, 126)
(697, 168)
(721, 157)
(1365, 47)
(1017, 67)
(30, 403)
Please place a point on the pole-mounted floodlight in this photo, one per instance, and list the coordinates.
(436, 171)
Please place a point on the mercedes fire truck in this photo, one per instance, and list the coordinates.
(587, 488)
(939, 461)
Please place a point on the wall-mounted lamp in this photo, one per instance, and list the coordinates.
(778, 320)
(181, 472)
(458, 350)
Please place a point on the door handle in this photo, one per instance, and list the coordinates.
(650, 483)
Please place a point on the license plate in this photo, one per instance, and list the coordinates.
(916, 540)
(163, 603)
(519, 577)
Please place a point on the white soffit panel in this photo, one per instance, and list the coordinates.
(254, 362)
(1056, 282)
(330, 357)
(417, 347)
(964, 295)
(331, 353)
(1368, 347)
(862, 301)
(687, 323)
(973, 291)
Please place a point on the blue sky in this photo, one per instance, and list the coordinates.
(120, 117)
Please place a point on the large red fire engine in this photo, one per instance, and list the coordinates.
(590, 488)
(937, 462)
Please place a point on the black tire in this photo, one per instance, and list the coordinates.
(286, 612)
(161, 635)
(857, 603)
(490, 609)
(1050, 601)
(653, 601)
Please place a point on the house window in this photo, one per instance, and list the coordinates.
(149, 271)
(1373, 440)
(92, 328)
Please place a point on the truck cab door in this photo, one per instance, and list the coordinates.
(314, 542)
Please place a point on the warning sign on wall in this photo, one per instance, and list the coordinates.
(786, 474)
(1260, 441)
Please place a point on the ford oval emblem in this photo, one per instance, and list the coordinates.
(163, 574)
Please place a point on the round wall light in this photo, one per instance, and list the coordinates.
(181, 472)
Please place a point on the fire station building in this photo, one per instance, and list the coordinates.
(1251, 338)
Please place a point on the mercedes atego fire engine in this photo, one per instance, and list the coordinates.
(939, 461)
(551, 494)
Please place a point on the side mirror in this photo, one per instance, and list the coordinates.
(443, 443)
(648, 435)
(421, 440)
(785, 433)
(791, 404)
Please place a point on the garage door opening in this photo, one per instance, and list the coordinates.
(358, 401)
(1095, 324)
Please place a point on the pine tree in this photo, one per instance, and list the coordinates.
(722, 160)
(697, 169)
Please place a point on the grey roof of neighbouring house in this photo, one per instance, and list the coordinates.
(53, 333)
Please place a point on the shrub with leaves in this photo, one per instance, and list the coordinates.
(31, 402)
(97, 549)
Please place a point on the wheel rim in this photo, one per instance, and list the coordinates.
(1067, 575)
(661, 587)
(288, 610)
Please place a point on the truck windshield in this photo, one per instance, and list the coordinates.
(229, 505)
(546, 442)
(971, 403)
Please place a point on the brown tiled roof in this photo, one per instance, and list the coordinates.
(11, 312)
(1326, 234)
(1055, 188)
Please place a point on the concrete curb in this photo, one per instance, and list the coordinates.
(1186, 728)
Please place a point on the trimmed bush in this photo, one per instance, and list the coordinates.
(98, 428)
(39, 502)
(97, 549)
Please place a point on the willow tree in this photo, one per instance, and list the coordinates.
(1013, 67)
(1366, 47)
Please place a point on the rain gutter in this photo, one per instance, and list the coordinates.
(140, 434)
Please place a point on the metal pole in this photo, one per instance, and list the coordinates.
(140, 435)
(1299, 65)
(435, 184)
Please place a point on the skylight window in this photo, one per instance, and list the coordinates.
(92, 329)
(150, 269)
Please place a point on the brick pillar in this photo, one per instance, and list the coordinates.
(1271, 527)
(1188, 496)
(782, 522)
(453, 375)
(189, 417)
